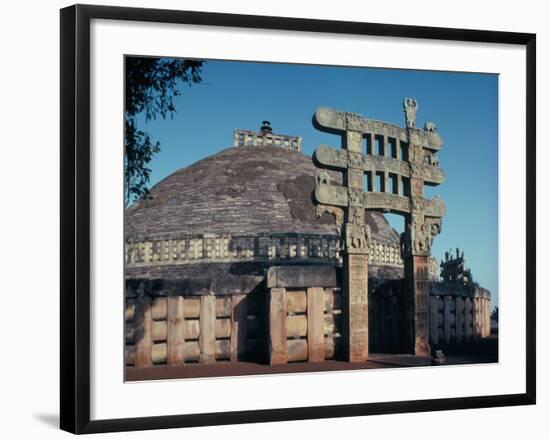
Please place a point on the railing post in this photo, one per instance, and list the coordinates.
(278, 353)
(316, 324)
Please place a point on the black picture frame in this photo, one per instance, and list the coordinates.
(75, 217)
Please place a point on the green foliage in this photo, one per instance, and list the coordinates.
(151, 86)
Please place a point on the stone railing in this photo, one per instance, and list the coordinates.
(304, 314)
(227, 248)
(303, 323)
(384, 254)
(176, 330)
(458, 314)
(255, 138)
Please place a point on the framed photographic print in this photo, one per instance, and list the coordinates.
(335, 217)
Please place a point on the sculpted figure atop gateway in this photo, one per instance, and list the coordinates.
(385, 168)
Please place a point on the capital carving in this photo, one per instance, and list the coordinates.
(423, 234)
(358, 237)
(355, 197)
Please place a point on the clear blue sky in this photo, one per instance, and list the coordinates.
(464, 106)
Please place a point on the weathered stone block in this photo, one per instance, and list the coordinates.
(159, 308)
(142, 330)
(315, 324)
(333, 299)
(277, 336)
(296, 301)
(129, 310)
(175, 340)
(223, 349)
(297, 350)
(223, 328)
(129, 355)
(207, 336)
(302, 276)
(158, 353)
(191, 308)
(159, 330)
(239, 326)
(332, 323)
(333, 347)
(223, 306)
(296, 326)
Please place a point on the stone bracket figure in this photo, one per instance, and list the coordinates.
(322, 177)
(418, 238)
(337, 212)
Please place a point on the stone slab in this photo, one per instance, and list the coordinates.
(207, 336)
(278, 352)
(302, 276)
(315, 324)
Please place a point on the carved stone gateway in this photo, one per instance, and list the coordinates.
(385, 168)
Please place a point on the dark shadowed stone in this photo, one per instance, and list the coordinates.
(198, 279)
(298, 277)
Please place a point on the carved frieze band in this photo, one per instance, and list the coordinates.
(331, 120)
(341, 159)
(249, 248)
(338, 196)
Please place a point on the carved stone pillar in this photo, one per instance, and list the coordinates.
(356, 307)
(356, 274)
(417, 253)
(417, 305)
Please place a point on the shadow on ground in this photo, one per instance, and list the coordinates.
(49, 419)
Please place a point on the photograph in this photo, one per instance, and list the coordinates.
(301, 218)
(275, 219)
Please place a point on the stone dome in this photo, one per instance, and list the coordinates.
(220, 223)
(247, 190)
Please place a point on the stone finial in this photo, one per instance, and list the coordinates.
(410, 106)
(266, 127)
(430, 127)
